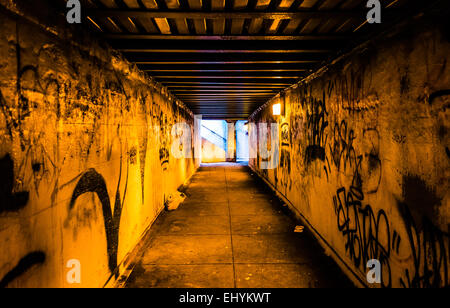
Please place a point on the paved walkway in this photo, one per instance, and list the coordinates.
(231, 232)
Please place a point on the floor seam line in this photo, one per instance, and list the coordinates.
(231, 228)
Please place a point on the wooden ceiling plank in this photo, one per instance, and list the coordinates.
(172, 4)
(226, 51)
(148, 25)
(163, 26)
(132, 4)
(150, 4)
(218, 24)
(240, 4)
(199, 24)
(109, 3)
(195, 4)
(308, 4)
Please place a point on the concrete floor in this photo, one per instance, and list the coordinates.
(231, 232)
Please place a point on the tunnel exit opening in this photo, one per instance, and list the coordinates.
(224, 141)
(242, 142)
(214, 141)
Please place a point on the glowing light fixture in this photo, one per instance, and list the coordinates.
(276, 109)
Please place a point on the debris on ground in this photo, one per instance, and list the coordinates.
(174, 201)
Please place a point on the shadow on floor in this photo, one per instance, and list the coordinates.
(231, 232)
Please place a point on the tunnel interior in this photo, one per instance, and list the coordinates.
(287, 134)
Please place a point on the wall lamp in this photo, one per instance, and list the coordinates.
(278, 109)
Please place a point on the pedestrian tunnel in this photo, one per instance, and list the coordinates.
(224, 143)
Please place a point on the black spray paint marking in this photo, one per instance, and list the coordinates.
(93, 182)
(421, 199)
(316, 113)
(429, 252)
(10, 201)
(438, 94)
(396, 240)
(24, 265)
(362, 229)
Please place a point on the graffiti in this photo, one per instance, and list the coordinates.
(440, 109)
(438, 94)
(296, 117)
(364, 231)
(361, 168)
(343, 154)
(132, 155)
(371, 167)
(396, 241)
(143, 139)
(64, 109)
(353, 89)
(285, 135)
(297, 126)
(10, 200)
(164, 153)
(429, 246)
(368, 235)
(316, 123)
(93, 182)
(429, 251)
(24, 265)
(400, 139)
(346, 130)
(164, 157)
(285, 159)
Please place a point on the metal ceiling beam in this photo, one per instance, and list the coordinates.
(225, 57)
(274, 70)
(220, 80)
(206, 91)
(312, 37)
(227, 101)
(224, 66)
(322, 14)
(228, 83)
(225, 63)
(226, 94)
(226, 77)
(175, 88)
(231, 51)
(222, 106)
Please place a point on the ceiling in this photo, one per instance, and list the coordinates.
(226, 58)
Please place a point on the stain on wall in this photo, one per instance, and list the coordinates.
(84, 154)
(11, 201)
(365, 156)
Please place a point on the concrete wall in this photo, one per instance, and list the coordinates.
(85, 160)
(364, 156)
(211, 153)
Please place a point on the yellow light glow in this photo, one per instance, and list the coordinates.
(277, 109)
